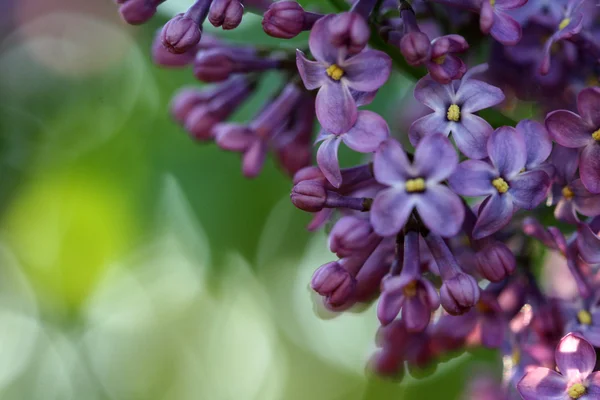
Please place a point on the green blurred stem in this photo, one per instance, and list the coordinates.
(376, 42)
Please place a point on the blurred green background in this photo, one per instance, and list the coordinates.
(137, 264)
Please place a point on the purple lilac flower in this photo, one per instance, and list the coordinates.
(495, 20)
(570, 25)
(416, 185)
(575, 360)
(335, 76)
(581, 131)
(588, 243)
(409, 292)
(454, 106)
(184, 31)
(226, 13)
(507, 188)
(582, 316)
(368, 132)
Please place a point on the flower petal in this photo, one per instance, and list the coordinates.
(509, 4)
(433, 94)
(433, 123)
(441, 210)
(594, 384)
(495, 213)
(319, 43)
(575, 357)
(506, 148)
(537, 142)
(312, 72)
(416, 314)
(471, 135)
(452, 68)
(474, 95)
(542, 383)
(390, 211)
(335, 107)
(585, 202)
(390, 164)
(589, 167)
(565, 162)
(369, 131)
(435, 158)
(588, 105)
(529, 189)
(367, 71)
(327, 159)
(473, 178)
(568, 129)
(588, 244)
(486, 17)
(506, 29)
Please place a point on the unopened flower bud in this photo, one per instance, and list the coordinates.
(226, 13)
(136, 12)
(309, 196)
(459, 294)
(349, 29)
(495, 261)
(350, 235)
(308, 173)
(185, 101)
(415, 47)
(181, 34)
(286, 19)
(200, 122)
(254, 159)
(333, 282)
(214, 65)
(233, 137)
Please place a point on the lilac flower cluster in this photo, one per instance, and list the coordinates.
(446, 238)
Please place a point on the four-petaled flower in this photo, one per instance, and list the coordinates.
(453, 112)
(365, 136)
(575, 360)
(417, 185)
(335, 75)
(504, 182)
(495, 21)
(581, 131)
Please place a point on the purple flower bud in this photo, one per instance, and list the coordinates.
(495, 261)
(200, 122)
(183, 32)
(218, 64)
(186, 99)
(286, 19)
(254, 158)
(309, 196)
(136, 12)
(459, 294)
(163, 57)
(333, 282)
(349, 29)
(226, 13)
(415, 47)
(350, 235)
(309, 173)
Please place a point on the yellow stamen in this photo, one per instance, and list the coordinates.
(564, 23)
(592, 81)
(415, 185)
(516, 357)
(596, 135)
(576, 391)
(453, 113)
(482, 307)
(410, 290)
(500, 185)
(335, 72)
(584, 317)
(492, 3)
(568, 193)
(439, 60)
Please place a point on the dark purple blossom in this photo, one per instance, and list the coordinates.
(495, 20)
(453, 112)
(507, 188)
(417, 185)
(409, 292)
(365, 136)
(581, 131)
(335, 76)
(286, 19)
(575, 361)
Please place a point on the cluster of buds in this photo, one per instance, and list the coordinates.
(443, 236)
